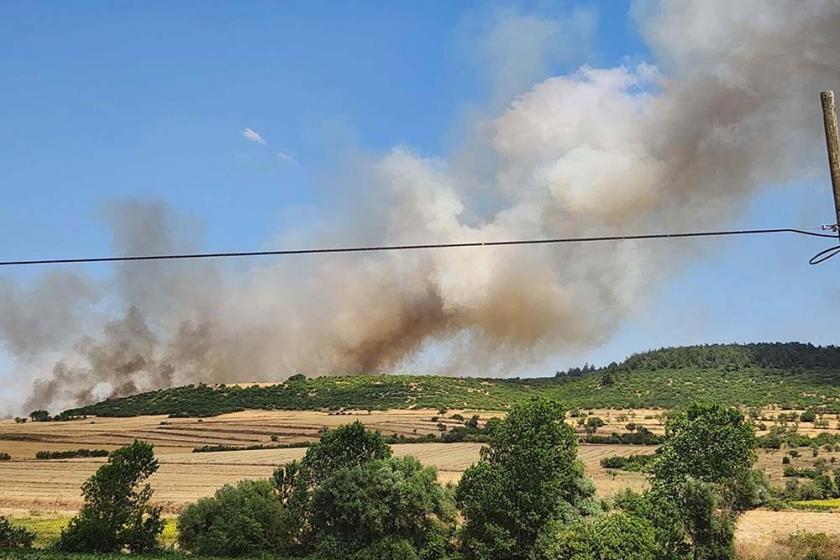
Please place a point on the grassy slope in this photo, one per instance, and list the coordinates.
(752, 375)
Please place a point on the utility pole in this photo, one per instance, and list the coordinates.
(832, 142)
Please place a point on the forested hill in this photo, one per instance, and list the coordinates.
(779, 355)
(789, 374)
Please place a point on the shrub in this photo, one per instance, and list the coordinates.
(593, 423)
(617, 536)
(241, 519)
(383, 503)
(14, 537)
(631, 463)
(116, 513)
(72, 454)
(5, 457)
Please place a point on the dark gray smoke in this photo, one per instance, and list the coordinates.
(730, 105)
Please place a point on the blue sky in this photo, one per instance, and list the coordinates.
(102, 101)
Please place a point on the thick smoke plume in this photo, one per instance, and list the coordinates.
(727, 104)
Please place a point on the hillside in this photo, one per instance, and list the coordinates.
(789, 374)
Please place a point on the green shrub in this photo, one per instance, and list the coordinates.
(239, 520)
(72, 454)
(390, 503)
(631, 463)
(14, 537)
(617, 536)
(5, 457)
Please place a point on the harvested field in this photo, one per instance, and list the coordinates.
(185, 477)
(27, 485)
(761, 527)
(179, 435)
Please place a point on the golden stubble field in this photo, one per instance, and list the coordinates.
(28, 485)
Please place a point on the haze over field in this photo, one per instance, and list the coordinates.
(724, 106)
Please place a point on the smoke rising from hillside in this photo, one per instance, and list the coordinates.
(729, 105)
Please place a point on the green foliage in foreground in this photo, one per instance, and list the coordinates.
(57, 555)
(527, 481)
(14, 536)
(117, 513)
(792, 374)
(346, 499)
(241, 519)
(616, 535)
(701, 481)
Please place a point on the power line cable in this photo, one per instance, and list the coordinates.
(820, 257)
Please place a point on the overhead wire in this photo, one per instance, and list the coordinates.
(820, 257)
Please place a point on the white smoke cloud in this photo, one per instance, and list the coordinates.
(726, 105)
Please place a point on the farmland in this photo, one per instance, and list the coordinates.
(185, 476)
(245, 431)
(43, 493)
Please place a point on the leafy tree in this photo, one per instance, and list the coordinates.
(39, 416)
(617, 536)
(116, 513)
(241, 519)
(702, 479)
(527, 480)
(296, 482)
(383, 501)
(14, 537)
(347, 446)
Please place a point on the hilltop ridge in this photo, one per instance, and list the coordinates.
(787, 374)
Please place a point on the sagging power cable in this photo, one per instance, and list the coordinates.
(820, 257)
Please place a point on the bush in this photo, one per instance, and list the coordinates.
(617, 536)
(241, 519)
(593, 423)
(384, 503)
(631, 463)
(72, 454)
(5, 457)
(116, 514)
(14, 537)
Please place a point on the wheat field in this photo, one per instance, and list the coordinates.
(29, 486)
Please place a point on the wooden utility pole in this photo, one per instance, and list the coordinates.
(832, 142)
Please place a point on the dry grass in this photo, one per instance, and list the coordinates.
(794, 546)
